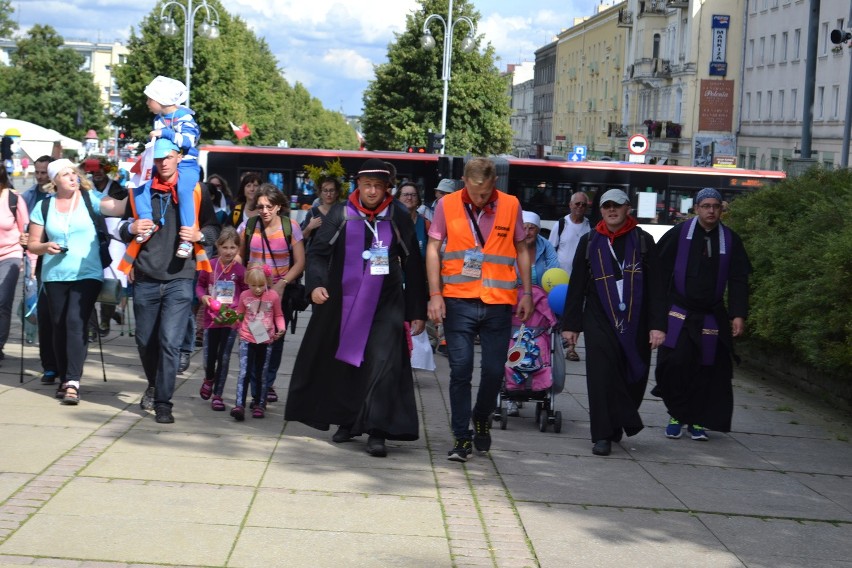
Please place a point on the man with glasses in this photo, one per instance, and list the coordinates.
(565, 239)
(616, 299)
(701, 259)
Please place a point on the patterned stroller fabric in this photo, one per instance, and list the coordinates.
(533, 372)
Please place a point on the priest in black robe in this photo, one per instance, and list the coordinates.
(700, 260)
(616, 300)
(366, 279)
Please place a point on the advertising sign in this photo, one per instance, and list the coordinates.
(716, 105)
(718, 54)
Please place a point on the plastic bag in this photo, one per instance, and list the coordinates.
(421, 352)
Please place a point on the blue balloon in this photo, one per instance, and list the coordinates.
(556, 298)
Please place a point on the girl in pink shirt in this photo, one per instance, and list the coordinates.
(262, 323)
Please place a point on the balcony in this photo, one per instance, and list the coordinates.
(656, 129)
(662, 68)
(652, 8)
(678, 3)
(625, 18)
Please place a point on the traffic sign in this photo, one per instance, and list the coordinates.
(575, 157)
(580, 151)
(637, 144)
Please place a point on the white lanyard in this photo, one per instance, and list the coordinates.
(67, 216)
(619, 284)
(375, 231)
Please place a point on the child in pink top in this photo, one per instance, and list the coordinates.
(220, 288)
(263, 322)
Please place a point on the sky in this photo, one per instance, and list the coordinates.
(330, 46)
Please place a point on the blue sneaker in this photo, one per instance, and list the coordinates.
(698, 433)
(673, 430)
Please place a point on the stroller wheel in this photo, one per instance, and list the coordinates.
(504, 418)
(557, 422)
(542, 423)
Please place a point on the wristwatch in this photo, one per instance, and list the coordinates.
(203, 240)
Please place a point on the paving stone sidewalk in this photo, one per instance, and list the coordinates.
(101, 485)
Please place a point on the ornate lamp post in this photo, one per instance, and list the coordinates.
(209, 29)
(428, 42)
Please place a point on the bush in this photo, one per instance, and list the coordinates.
(798, 235)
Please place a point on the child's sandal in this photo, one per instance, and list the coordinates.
(217, 404)
(206, 389)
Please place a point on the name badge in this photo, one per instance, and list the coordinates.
(379, 260)
(473, 264)
(224, 291)
(258, 331)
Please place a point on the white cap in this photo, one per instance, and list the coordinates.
(532, 218)
(166, 91)
(55, 167)
(616, 196)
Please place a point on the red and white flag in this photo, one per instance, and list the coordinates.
(143, 168)
(240, 131)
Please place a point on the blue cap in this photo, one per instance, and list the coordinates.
(163, 146)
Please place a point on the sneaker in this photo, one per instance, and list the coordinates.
(482, 434)
(184, 249)
(271, 395)
(147, 402)
(698, 433)
(143, 237)
(183, 364)
(48, 377)
(238, 413)
(512, 408)
(164, 414)
(673, 430)
(461, 451)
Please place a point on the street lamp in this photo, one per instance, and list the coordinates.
(209, 29)
(428, 43)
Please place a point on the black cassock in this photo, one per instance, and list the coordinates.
(377, 397)
(694, 393)
(613, 402)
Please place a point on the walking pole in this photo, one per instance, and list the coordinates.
(23, 314)
(101, 348)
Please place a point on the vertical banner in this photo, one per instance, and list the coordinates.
(716, 105)
(718, 54)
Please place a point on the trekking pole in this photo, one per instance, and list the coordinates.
(23, 316)
(101, 349)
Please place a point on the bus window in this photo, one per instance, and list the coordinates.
(550, 200)
(648, 206)
(679, 204)
(277, 179)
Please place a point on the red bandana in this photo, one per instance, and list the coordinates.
(466, 199)
(165, 186)
(355, 200)
(629, 224)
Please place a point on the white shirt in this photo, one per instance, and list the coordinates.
(566, 243)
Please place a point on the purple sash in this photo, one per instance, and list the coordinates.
(361, 289)
(677, 315)
(624, 322)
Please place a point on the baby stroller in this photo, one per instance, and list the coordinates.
(535, 366)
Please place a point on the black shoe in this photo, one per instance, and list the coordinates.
(602, 448)
(117, 316)
(103, 329)
(376, 447)
(48, 377)
(461, 451)
(343, 434)
(164, 414)
(183, 365)
(482, 434)
(147, 402)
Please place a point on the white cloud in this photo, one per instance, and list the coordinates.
(348, 63)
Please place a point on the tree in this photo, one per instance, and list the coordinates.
(235, 78)
(44, 85)
(405, 99)
(7, 24)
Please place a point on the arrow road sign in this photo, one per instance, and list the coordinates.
(574, 157)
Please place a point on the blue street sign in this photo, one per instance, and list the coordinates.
(580, 151)
(575, 157)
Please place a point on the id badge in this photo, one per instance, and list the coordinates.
(258, 331)
(224, 291)
(379, 260)
(473, 264)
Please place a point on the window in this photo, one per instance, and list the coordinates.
(797, 40)
(761, 56)
(819, 110)
(772, 48)
(656, 53)
(824, 35)
(783, 55)
(751, 53)
(835, 101)
(759, 114)
(769, 105)
(781, 104)
(794, 100)
(748, 107)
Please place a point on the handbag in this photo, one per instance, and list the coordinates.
(111, 291)
(296, 296)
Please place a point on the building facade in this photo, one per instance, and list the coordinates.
(521, 93)
(544, 81)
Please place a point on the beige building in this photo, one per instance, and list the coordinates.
(588, 89)
(682, 81)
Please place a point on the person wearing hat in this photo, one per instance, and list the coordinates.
(162, 282)
(445, 187)
(700, 260)
(472, 290)
(616, 299)
(175, 123)
(541, 251)
(353, 367)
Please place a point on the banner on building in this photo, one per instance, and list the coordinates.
(715, 150)
(718, 54)
(716, 105)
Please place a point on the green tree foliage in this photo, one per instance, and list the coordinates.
(7, 23)
(44, 85)
(799, 237)
(234, 78)
(405, 98)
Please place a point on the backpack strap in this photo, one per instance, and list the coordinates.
(559, 232)
(236, 213)
(251, 226)
(13, 204)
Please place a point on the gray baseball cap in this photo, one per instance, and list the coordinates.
(616, 196)
(446, 186)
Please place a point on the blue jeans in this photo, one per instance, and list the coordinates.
(161, 308)
(493, 323)
(9, 270)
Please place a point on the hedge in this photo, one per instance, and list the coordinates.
(798, 235)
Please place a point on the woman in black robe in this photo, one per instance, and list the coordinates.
(360, 378)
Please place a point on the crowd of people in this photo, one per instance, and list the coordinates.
(377, 264)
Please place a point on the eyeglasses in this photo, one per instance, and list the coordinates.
(709, 206)
(266, 207)
(579, 204)
(401, 195)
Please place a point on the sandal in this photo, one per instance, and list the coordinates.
(206, 389)
(60, 391)
(271, 395)
(72, 396)
(258, 412)
(571, 355)
(217, 403)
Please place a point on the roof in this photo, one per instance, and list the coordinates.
(37, 141)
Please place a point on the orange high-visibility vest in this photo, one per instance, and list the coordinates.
(133, 248)
(497, 285)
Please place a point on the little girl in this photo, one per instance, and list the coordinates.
(222, 287)
(263, 322)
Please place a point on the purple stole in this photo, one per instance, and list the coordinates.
(361, 289)
(677, 315)
(625, 321)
